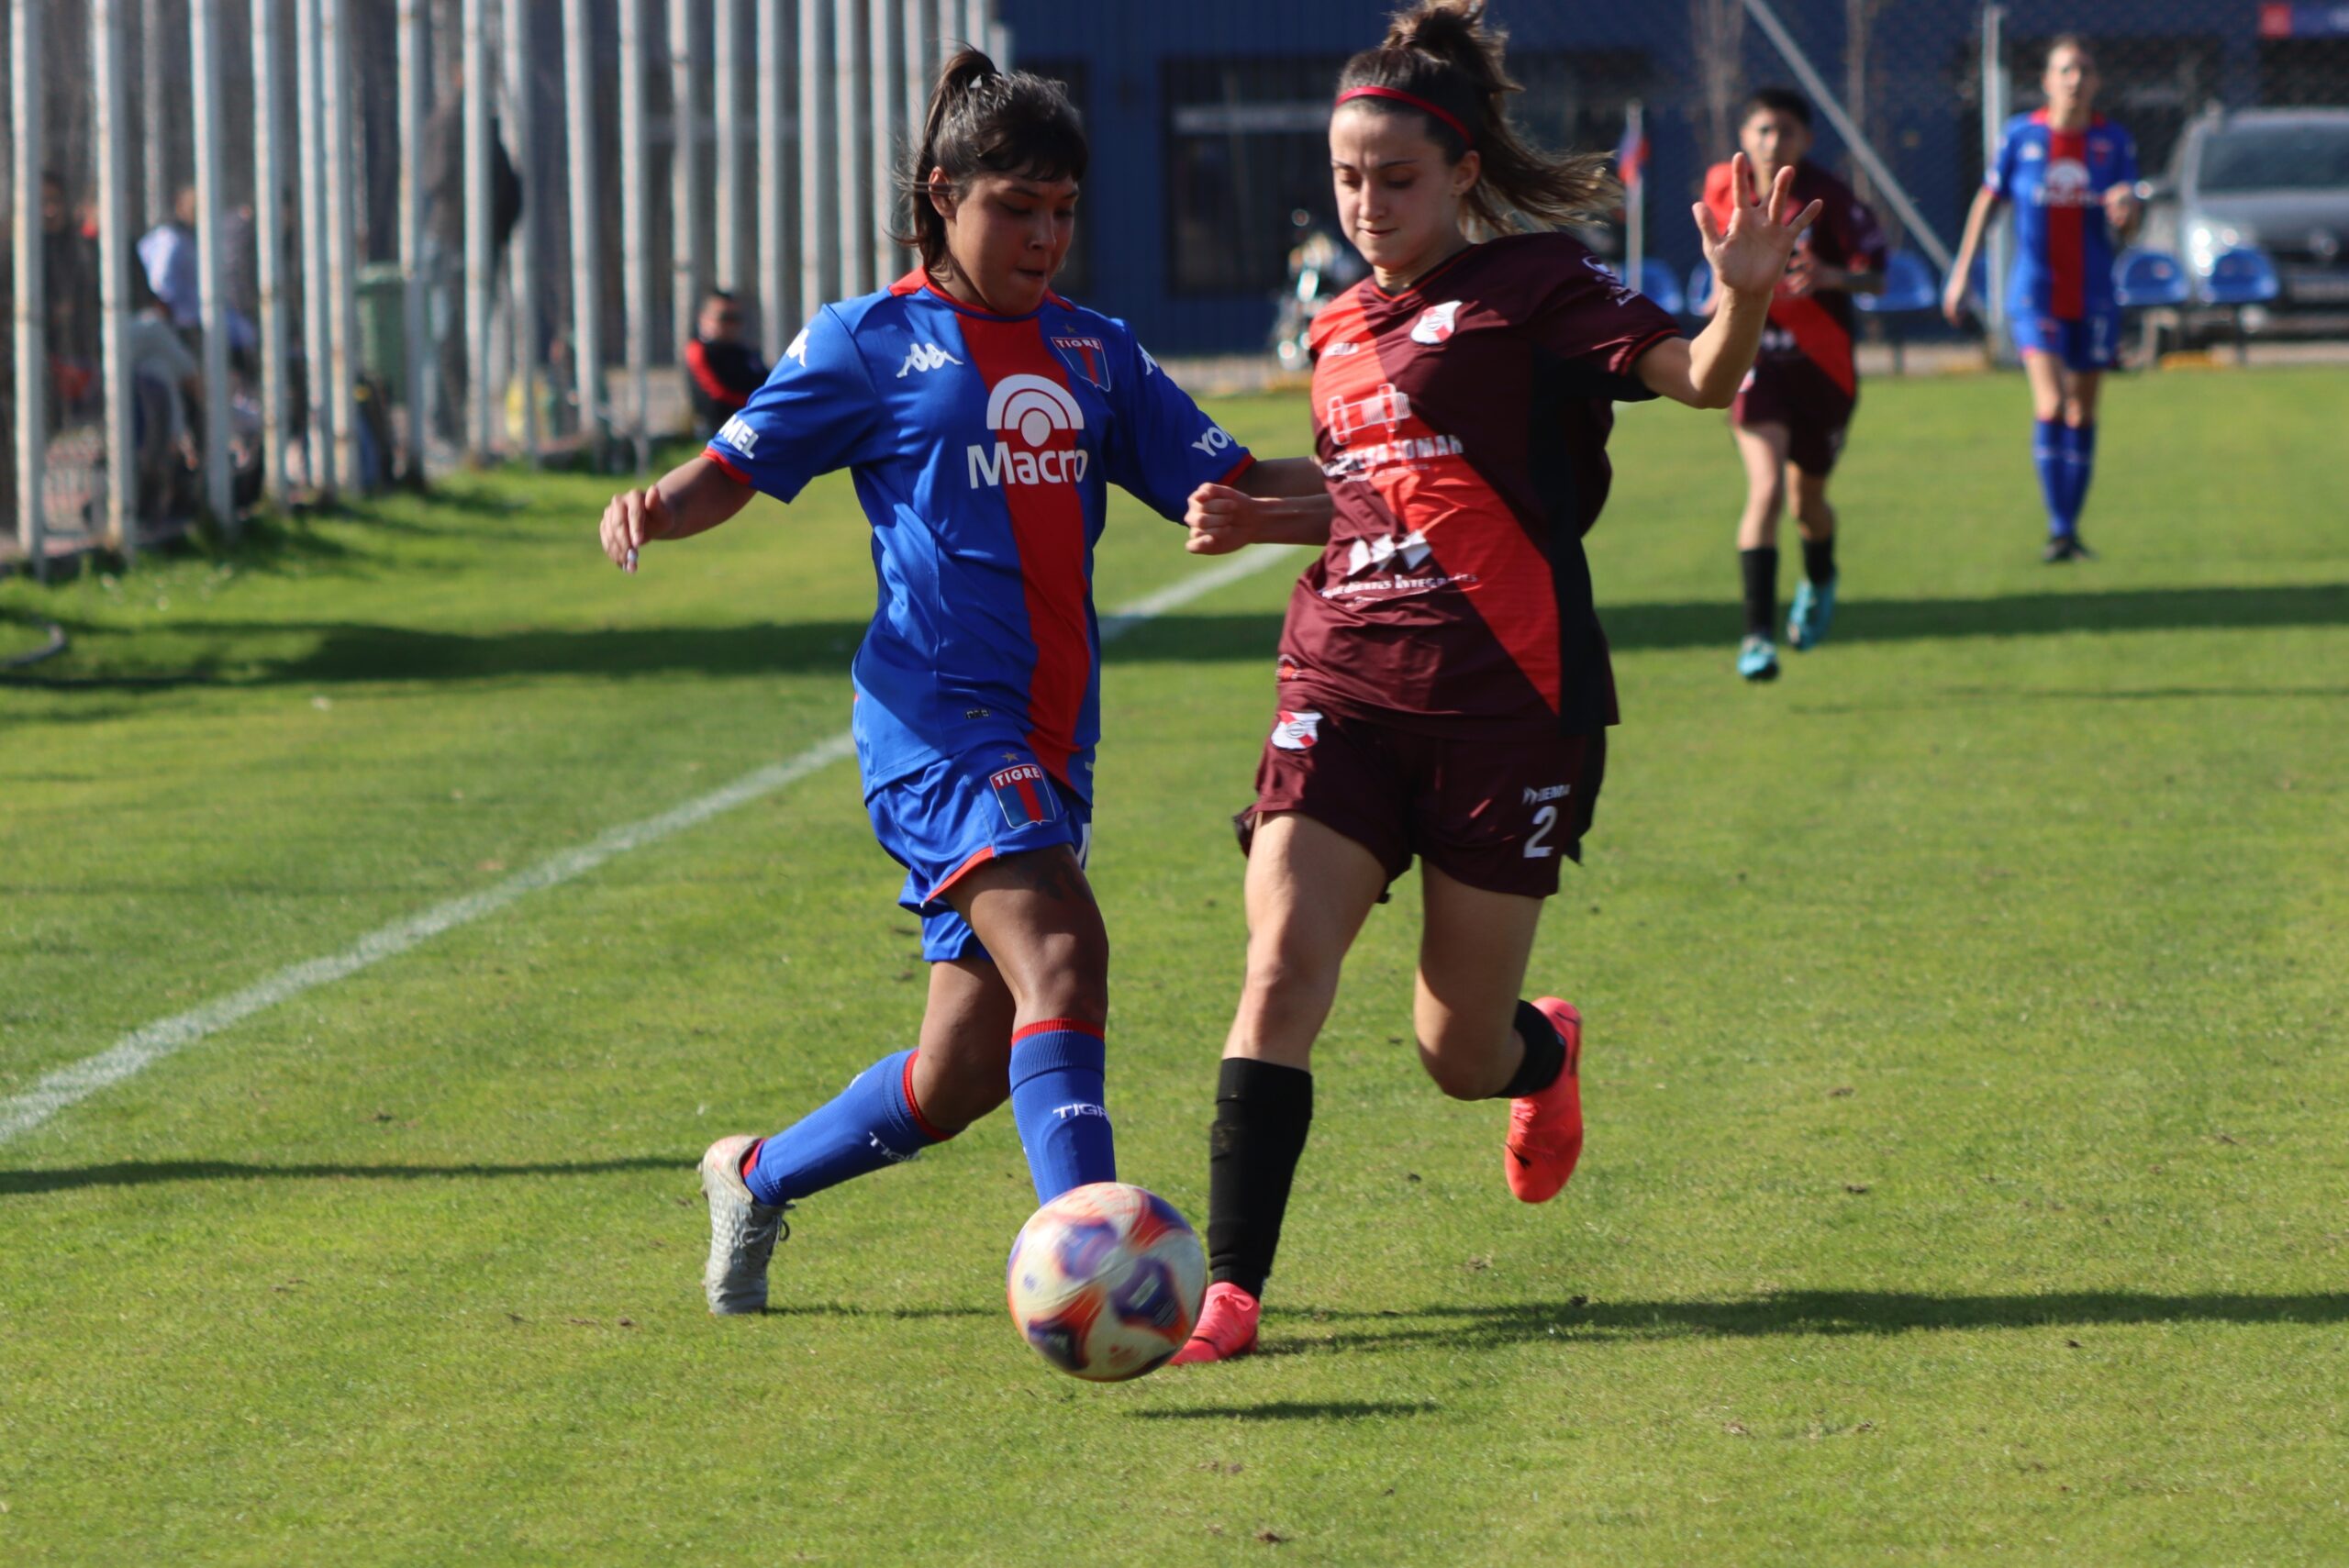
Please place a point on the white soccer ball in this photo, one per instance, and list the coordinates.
(1105, 1281)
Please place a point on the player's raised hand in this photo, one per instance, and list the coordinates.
(1750, 255)
(1221, 520)
(632, 520)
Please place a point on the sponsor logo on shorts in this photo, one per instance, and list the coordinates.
(1025, 793)
(1297, 731)
(1549, 791)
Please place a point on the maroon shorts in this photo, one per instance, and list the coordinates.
(1799, 396)
(1497, 814)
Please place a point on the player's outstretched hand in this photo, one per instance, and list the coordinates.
(633, 518)
(1221, 520)
(1953, 300)
(1750, 255)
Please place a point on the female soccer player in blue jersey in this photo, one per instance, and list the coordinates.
(1445, 688)
(983, 417)
(2072, 176)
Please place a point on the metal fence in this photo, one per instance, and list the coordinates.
(493, 218)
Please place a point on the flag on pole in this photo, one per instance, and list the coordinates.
(1632, 152)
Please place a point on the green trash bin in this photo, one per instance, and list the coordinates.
(383, 352)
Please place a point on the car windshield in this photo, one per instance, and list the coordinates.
(2277, 158)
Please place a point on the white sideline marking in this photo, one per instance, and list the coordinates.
(143, 1048)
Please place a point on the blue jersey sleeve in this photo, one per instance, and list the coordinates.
(1163, 447)
(2000, 180)
(817, 411)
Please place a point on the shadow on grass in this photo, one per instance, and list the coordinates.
(339, 652)
(149, 1173)
(1293, 1410)
(1823, 1313)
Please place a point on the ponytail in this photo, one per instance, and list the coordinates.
(1442, 61)
(984, 120)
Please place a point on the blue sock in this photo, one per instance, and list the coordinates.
(1057, 1090)
(2048, 450)
(870, 1124)
(2079, 455)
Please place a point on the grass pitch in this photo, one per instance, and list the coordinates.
(1966, 1179)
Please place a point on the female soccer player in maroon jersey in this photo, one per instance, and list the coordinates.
(1445, 688)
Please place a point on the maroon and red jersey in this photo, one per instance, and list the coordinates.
(1463, 425)
(1815, 327)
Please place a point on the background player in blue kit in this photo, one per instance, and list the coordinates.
(983, 417)
(2072, 176)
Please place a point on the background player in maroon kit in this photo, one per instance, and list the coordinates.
(1791, 414)
(1445, 688)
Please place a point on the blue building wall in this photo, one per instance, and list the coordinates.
(1929, 116)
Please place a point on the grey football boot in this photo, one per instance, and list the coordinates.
(742, 1232)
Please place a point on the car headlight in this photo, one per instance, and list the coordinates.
(2204, 241)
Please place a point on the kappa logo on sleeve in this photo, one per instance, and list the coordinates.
(798, 349)
(1297, 731)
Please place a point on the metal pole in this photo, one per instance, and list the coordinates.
(1635, 202)
(269, 255)
(155, 95)
(818, 204)
(475, 142)
(414, 100)
(725, 64)
(689, 262)
(636, 294)
(111, 49)
(921, 67)
(975, 23)
(204, 61)
(523, 127)
(776, 319)
(341, 302)
(1997, 96)
(851, 83)
(317, 334)
(586, 270)
(26, 124)
(1862, 150)
(889, 73)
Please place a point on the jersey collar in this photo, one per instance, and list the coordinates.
(918, 280)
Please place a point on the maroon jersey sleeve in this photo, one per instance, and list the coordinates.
(1587, 314)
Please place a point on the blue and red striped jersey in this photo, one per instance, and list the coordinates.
(982, 448)
(2057, 180)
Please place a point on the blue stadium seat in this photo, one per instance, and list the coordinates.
(1910, 285)
(2242, 276)
(1656, 281)
(2143, 279)
(1700, 288)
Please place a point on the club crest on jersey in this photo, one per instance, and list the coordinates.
(1033, 411)
(1088, 356)
(1025, 793)
(1297, 731)
(1436, 323)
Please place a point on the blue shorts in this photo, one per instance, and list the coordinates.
(960, 812)
(2091, 343)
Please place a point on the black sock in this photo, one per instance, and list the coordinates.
(1761, 568)
(1545, 1055)
(1263, 1111)
(1818, 560)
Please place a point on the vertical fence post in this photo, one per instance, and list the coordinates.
(339, 303)
(819, 206)
(269, 254)
(726, 66)
(636, 303)
(412, 100)
(776, 319)
(479, 228)
(1997, 93)
(31, 436)
(522, 107)
(921, 65)
(318, 325)
(689, 262)
(204, 60)
(110, 49)
(587, 263)
(883, 18)
(852, 80)
(155, 95)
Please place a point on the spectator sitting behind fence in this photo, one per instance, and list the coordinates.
(721, 369)
(167, 253)
(167, 400)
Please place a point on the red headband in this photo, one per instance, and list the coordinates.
(1400, 96)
